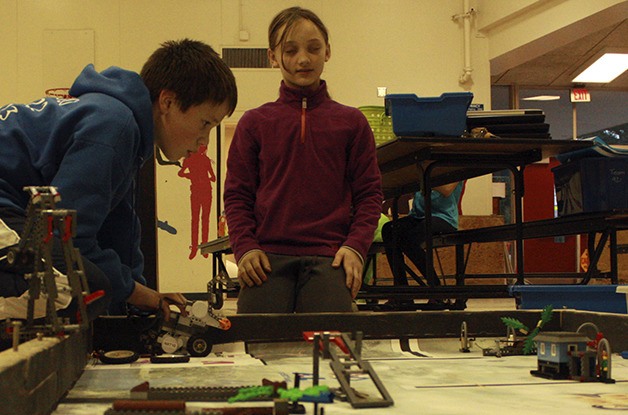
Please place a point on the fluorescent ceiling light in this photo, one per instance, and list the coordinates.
(542, 98)
(605, 69)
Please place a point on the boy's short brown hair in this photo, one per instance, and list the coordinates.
(193, 71)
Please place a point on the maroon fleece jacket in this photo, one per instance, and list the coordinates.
(302, 177)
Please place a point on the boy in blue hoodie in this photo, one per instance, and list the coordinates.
(91, 147)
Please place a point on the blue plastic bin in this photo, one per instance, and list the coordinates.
(591, 185)
(424, 117)
(605, 298)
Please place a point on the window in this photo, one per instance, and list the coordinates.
(245, 57)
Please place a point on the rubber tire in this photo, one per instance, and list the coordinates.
(199, 346)
(118, 357)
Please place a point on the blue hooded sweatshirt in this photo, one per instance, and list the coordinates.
(91, 148)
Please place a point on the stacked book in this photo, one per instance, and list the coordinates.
(519, 123)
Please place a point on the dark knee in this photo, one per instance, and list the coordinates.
(387, 231)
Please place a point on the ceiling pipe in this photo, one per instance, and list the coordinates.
(466, 20)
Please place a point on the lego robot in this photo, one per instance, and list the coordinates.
(190, 332)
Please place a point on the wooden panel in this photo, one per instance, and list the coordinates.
(622, 259)
(486, 258)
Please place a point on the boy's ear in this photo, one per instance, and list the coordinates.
(166, 100)
(328, 52)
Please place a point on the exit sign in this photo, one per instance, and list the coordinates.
(580, 95)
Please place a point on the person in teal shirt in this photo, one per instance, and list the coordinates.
(411, 230)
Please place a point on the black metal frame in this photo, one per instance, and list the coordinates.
(452, 159)
(117, 332)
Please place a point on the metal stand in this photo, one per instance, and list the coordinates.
(344, 367)
(34, 253)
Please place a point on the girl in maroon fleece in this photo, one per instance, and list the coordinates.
(303, 188)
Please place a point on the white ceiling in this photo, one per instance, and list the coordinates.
(556, 68)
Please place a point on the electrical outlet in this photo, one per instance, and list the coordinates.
(381, 91)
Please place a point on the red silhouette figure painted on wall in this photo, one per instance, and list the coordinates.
(198, 169)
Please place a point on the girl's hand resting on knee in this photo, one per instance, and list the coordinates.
(252, 268)
(352, 264)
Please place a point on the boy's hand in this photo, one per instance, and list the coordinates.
(146, 298)
(252, 268)
(176, 299)
(353, 268)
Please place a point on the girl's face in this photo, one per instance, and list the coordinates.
(302, 56)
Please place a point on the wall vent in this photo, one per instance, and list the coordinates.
(245, 57)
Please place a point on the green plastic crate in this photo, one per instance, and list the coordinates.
(380, 123)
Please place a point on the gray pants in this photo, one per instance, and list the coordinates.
(307, 284)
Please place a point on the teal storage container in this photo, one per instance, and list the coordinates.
(427, 117)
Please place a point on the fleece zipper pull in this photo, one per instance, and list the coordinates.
(303, 108)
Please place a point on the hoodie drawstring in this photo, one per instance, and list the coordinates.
(303, 108)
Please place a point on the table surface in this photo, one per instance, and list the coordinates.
(473, 157)
(490, 146)
(432, 377)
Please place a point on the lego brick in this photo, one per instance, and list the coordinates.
(39, 373)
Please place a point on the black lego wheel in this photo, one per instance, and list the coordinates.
(118, 357)
(170, 358)
(198, 346)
